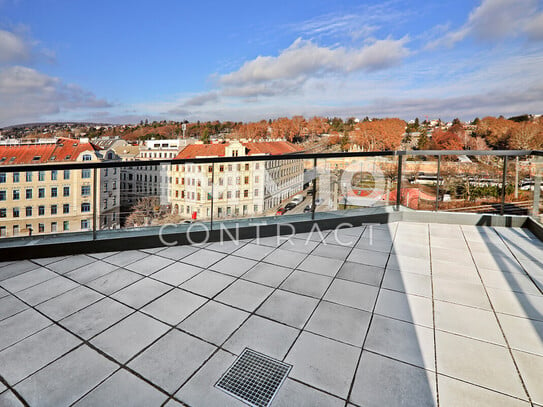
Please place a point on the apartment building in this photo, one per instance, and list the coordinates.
(238, 189)
(37, 202)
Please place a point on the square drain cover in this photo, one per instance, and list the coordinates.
(254, 378)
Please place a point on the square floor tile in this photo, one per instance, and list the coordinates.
(126, 257)
(299, 245)
(208, 283)
(338, 322)
(381, 381)
(462, 293)
(233, 265)
(301, 282)
(409, 264)
(69, 302)
(52, 386)
(410, 283)
(332, 251)
(28, 279)
(214, 322)
(361, 273)
(254, 251)
(521, 305)
(35, 352)
(21, 325)
(321, 265)
(46, 290)
(361, 296)
(262, 335)
(406, 307)
(203, 258)
(244, 295)
(415, 347)
(226, 246)
(174, 306)
(114, 281)
(288, 308)
(178, 252)
(369, 257)
(10, 306)
(16, 268)
(177, 273)
(531, 369)
(141, 292)
(96, 318)
(70, 263)
(123, 389)
(523, 334)
(171, 360)
(267, 274)
(149, 265)
(285, 258)
(293, 393)
(323, 363)
(368, 243)
(128, 337)
(91, 271)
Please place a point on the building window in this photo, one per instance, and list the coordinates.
(246, 167)
(114, 185)
(54, 209)
(237, 194)
(3, 195)
(16, 177)
(28, 210)
(28, 177)
(246, 193)
(29, 194)
(16, 194)
(85, 173)
(2, 177)
(256, 192)
(106, 171)
(66, 225)
(228, 194)
(66, 191)
(87, 157)
(85, 224)
(105, 187)
(41, 192)
(246, 180)
(2, 231)
(41, 176)
(15, 212)
(41, 210)
(54, 175)
(85, 190)
(85, 207)
(3, 212)
(66, 208)
(256, 179)
(15, 230)
(54, 192)
(66, 174)
(41, 228)
(53, 227)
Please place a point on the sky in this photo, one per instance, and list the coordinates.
(126, 61)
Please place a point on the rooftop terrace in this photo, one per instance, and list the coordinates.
(405, 313)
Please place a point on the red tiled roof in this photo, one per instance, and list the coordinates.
(252, 148)
(62, 150)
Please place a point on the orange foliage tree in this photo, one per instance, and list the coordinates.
(383, 134)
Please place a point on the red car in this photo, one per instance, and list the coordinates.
(280, 211)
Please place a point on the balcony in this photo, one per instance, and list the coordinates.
(368, 305)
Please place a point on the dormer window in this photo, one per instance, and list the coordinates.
(234, 153)
(36, 158)
(68, 157)
(53, 158)
(87, 157)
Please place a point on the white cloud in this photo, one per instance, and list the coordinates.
(26, 94)
(13, 48)
(534, 28)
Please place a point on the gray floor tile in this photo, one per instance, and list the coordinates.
(254, 252)
(288, 308)
(102, 255)
(208, 283)
(523, 334)
(338, 322)
(409, 264)
(114, 281)
(475, 323)
(450, 270)
(149, 265)
(462, 293)
(369, 257)
(96, 318)
(28, 279)
(477, 362)
(125, 258)
(46, 290)
(293, 393)
(531, 370)
(21, 325)
(153, 250)
(227, 246)
(214, 322)
(410, 248)
(70, 263)
(332, 251)
(406, 307)
(130, 336)
(52, 387)
(410, 283)
(233, 266)
(301, 282)
(299, 245)
(361, 273)
(178, 252)
(321, 265)
(521, 305)
(244, 295)
(69, 302)
(455, 393)
(16, 268)
(177, 273)
(174, 306)
(285, 258)
(171, 360)
(265, 336)
(385, 382)
(368, 243)
(123, 389)
(203, 258)
(509, 281)
(323, 363)
(409, 343)
(341, 237)
(141, 292)
(361, 296)
(91, 271)
(8, 399)
(3, 293)
(31, 354)
(267, 274)
(10, 306)
(200, 390)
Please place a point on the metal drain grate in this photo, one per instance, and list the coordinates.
(254, 378)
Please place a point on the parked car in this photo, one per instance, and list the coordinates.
(289, 206)
(280, 211)
(307, 208)
(297, 199)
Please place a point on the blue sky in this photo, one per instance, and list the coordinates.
(247, 60)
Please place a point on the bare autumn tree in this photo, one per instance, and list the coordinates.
(383, 134)
(144, 211)
(527, 136)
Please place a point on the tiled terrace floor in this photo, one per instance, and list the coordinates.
(400, 314)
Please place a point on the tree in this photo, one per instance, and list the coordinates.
(144, 212)
(445, 140)
(422, 142)
(205, 136)
(345, 141)
(379, 134)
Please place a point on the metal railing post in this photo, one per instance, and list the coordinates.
(537, 185)
(212, 193)
(399, 184)
(504, 179)
(94, 195)
(437, 185)
(314, 189)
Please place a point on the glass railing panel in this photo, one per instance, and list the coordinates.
(520, 182)
(419, 182)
